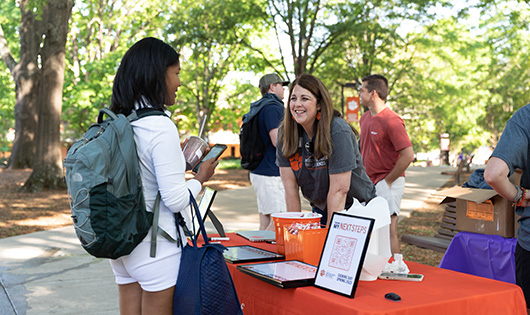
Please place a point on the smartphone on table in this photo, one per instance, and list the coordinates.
(400, 276)
(215, 152)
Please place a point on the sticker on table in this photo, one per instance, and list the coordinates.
(343, 254)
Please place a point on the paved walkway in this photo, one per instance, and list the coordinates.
(49, 273)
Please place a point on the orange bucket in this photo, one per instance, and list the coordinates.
(306, 246)
(286, 218)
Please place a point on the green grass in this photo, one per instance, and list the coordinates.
(229, 164)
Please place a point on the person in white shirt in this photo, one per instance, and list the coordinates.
(148, 77)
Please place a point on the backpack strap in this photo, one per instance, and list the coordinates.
(179, 220)
(135, 115)
(108, 112)
(144, 112)
(156, 229)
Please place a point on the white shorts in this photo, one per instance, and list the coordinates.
(393, 195)
(153, 274)
(269, 192)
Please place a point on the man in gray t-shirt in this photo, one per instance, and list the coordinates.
(512, 152)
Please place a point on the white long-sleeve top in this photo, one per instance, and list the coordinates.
(162, 167)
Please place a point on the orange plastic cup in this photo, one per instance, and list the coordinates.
(306, 246)
(287, 218)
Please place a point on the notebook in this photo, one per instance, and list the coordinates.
(258, 236)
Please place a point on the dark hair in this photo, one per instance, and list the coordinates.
(265, 89)
(378, 83)
(289, 129)
(142, 74)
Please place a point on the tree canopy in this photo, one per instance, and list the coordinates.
(461, 68)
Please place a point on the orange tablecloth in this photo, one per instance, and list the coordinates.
(441, 292)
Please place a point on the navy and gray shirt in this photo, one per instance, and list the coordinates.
(514, 149)
(270, 113)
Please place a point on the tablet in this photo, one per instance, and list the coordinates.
(258, 235)
(283, 274)
(246, 253)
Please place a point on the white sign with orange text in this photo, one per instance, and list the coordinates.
(343, 254)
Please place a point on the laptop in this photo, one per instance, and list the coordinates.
(204, 208)
(258, 236)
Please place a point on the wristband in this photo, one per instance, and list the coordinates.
(520, 202)
(518, 194)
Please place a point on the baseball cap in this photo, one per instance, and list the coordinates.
(271, 78)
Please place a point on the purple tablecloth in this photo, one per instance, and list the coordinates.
(489, 256)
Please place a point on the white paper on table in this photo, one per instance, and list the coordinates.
(378, 252)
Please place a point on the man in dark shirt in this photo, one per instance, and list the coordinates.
(266, 177)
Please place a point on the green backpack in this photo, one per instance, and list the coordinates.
(105, 189)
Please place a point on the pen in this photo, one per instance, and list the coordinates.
(219, 238)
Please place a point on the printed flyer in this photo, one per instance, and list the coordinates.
(343, 254)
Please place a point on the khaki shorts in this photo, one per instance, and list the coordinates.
(269, 192)
(393, 195)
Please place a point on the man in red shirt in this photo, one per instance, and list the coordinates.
(385, 148)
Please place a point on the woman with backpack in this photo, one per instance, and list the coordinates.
(317, 152)
(148, 77)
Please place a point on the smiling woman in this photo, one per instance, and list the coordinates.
(318, 153)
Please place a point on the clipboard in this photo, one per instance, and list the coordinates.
(247, 253)
(283, 274)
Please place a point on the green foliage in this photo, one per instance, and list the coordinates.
(9, 23)
(213, 42)
(463, 74)
(100, 35)
(7, 104)
(507, 88)
(9, 19)
(375, 42)
(438, 93)
(445, 76)
(229, 164)
(84, 97)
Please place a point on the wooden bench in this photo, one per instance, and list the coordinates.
(441, 240)
(456, 175)
(459, 171)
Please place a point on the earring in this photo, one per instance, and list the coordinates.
(318, 116)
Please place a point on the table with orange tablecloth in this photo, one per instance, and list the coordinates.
(441, 292)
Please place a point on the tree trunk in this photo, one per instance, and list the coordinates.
(47, 171)
(26, 75)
